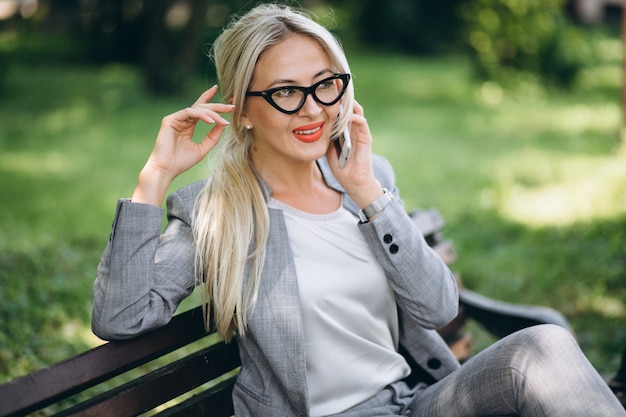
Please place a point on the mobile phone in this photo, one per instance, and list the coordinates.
(343, 146)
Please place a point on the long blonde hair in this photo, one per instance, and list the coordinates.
(231, 223)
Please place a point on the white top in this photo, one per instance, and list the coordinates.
(349, 311)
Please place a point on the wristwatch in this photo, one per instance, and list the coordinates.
(375, 207)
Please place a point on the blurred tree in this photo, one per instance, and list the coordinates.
(164, 37)
(114, 30)
(173, 42)
(424, 26)
(504, 38)
(508, 37)
(62, 15)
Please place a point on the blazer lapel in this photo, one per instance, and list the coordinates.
(277, 312)
(332, 182)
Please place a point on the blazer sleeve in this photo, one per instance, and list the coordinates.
(144, 274)
(424, 286)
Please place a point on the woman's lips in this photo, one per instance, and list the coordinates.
(309, 133)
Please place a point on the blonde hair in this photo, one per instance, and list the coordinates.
(231, 221)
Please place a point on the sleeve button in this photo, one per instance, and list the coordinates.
(388, 238)
(393, 248)
(434, 363)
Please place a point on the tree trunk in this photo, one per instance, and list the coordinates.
(171, 57)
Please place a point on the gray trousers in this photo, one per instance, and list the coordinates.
(538, 371)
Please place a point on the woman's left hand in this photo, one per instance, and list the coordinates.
(357, 176)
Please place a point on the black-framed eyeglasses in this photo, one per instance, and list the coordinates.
(290, 99)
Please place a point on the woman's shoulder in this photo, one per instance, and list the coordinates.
(185, 197)
(190, 191)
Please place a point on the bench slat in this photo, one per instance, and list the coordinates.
(428, 221)
(501, 318)
(48, 385)
(162, 385)
(214, 402)
(445, 249)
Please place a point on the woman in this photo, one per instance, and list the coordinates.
(316, 268)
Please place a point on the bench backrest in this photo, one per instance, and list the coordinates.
(215, 365)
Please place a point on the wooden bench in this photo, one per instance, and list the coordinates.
(497, 317)
(214, 365)
(181, 370)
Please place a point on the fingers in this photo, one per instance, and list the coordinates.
(206, 111)
(209, 113)
(207, 96)
(357, 109)
(211, 139)
(332, 155)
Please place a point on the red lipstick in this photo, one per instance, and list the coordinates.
(309, 133)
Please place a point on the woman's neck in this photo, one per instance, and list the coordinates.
(300, 185)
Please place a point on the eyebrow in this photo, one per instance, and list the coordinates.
(286, 81)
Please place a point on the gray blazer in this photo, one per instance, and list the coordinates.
(144, 274)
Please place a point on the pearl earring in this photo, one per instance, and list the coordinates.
(248, 127)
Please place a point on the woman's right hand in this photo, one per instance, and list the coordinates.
(175, 150)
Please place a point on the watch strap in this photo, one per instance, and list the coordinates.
(375, 207)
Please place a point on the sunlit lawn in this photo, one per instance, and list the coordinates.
(532, 184)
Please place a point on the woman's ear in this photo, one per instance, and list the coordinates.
(245, 122)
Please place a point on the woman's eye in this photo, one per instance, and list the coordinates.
(327, 84)
(284, 92)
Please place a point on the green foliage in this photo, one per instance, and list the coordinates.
(46, 299)
(530, 182)
(578, 269)
(72, 140)
(4, 69)
(509, 37)
(424, 27)
(507, 40)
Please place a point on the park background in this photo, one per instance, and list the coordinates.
(505, 115)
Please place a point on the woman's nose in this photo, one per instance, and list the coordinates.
(310, 107)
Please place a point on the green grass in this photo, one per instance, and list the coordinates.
(532, 183)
